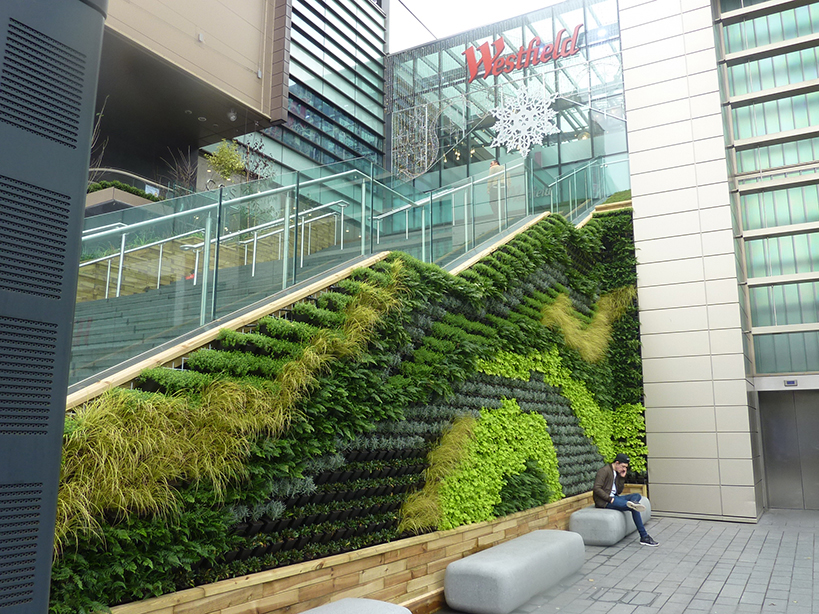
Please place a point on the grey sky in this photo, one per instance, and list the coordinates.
(447, 17)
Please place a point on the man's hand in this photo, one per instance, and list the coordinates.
(612, 500)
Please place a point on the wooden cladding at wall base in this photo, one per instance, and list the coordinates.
(409, 572)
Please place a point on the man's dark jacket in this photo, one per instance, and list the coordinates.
(602, 486)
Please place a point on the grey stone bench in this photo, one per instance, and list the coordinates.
(599, 526)
(354, 605)
(504, 577)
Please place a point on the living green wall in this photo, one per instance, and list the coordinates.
(404, 399)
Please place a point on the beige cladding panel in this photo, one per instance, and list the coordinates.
(220, 43)
(680, 420)
(686, 498)
(739, 501)
(676, 471)
(682, 445)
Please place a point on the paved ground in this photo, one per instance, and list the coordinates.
(699, 566)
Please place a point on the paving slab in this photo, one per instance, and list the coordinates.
(699, 566)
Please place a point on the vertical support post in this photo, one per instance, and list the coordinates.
(472, 205)
(363, 216)
(159, 266)
(108, 278)
(424, 232)
(342, 226)
(196, 268)
(296, 236)
(121, 261)
(286, 235)
(216, 258)
(206, 257)
(255, 242)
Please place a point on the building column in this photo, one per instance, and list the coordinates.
(701, 417)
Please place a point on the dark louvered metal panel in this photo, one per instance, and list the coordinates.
(33, 238)
(20, 510)
(49, 61)
(41, 84)
(27, 355)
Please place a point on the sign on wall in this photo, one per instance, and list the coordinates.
(532, 54)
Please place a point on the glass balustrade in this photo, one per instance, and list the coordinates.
(152, 273)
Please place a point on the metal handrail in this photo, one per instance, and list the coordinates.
(91, 231)
(232, 201)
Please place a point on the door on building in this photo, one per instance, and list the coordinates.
(790, 444)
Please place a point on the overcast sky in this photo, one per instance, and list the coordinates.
(447, 17)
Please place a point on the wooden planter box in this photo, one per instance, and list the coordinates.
(409, 572)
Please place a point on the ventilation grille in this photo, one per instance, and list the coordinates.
(41, 85)
(27, 356)
(33, 238)
(19, 525)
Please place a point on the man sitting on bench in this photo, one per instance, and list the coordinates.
(608, 484)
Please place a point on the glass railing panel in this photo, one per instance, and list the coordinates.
(334, 212)
(186, 261)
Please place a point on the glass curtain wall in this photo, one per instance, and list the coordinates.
(336, 86)
(772, 124)
(440, 98)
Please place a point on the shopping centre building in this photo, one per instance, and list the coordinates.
(709, 113)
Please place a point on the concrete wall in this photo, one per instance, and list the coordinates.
(225, 44)
(701, 417)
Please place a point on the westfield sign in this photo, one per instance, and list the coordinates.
(536, 52)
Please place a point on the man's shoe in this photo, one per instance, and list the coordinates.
(647, 541)
(637, 507)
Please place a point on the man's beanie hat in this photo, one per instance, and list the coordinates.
(621, 458)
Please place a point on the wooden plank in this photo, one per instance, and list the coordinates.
(126, 375)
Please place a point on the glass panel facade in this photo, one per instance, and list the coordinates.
(776, 64)
(441, 96)
(336, 105)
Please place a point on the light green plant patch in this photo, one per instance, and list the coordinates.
(591, 340)
(595, 421)
(422, 510)
(629, 427)
(504, 439)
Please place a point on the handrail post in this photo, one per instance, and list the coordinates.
(363, 216)
(472, 205)
(121, 261)
(286, 235)
(196, 268)
(216, 258)
(206, 257)
(159, 266)
(255, 243)
(296, 236)
(108, 278)
(342, 226)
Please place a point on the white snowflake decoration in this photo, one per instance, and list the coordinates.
(524, 122)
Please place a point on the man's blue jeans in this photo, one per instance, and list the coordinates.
(620, 504)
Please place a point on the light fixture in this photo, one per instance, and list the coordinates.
(202, 118)
(231, 115)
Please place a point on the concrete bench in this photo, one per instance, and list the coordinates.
(599, 526)
(504, 577)
(355, 605)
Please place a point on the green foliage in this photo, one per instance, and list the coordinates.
(619, 197)
(504, 439)
(595, 421)
(523, 491)
(104, 185)
(226, 160)
(592, 339)
(629, 430)
(389, 359)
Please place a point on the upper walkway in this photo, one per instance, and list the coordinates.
(699, 566)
